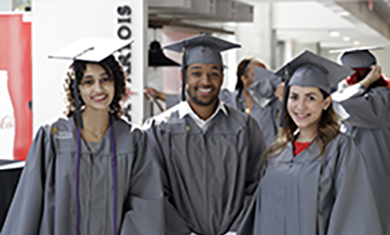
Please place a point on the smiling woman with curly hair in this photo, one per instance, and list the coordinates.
(116, 73)
(90, 173)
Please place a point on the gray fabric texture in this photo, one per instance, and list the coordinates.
(45, 202)
(369, 124)
(330, 195)
(208, 177)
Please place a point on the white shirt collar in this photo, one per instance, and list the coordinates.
(185, 109)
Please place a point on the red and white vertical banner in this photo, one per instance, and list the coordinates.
(57, 23)
(15, 86)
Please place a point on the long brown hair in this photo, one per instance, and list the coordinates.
(328, 129)
(115, 71)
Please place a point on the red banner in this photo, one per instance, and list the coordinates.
(15, 64)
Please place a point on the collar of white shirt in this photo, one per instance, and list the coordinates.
(185, 109)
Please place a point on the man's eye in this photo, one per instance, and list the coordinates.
(196, 74)
(293, 97)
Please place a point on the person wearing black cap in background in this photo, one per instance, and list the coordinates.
(208, 152)
(364, 100)
(91, 174)
(253, 94)
(314, 179)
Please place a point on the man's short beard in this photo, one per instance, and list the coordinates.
(198, 102)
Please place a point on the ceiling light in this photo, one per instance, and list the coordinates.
(346, 39)
(343, 13)
(356, 43)
(334, 34)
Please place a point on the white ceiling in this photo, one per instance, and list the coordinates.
(305, 21)
(310, 21)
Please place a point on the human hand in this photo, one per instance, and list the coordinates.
(279, 92)
(373, 76)
(149, 92)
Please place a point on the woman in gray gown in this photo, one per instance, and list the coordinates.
(314, 178)
(96, 180)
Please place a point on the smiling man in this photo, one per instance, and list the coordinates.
(208, 152)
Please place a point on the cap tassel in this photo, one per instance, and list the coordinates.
(183, 75)
(283, 111)
(77, 101)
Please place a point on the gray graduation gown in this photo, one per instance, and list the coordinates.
(208, 178)
(45, 204)
(369, 124)
(264, 110)
(327, 196)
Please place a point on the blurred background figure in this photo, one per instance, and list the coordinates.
(363, 100)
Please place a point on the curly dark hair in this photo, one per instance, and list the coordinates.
(115, 71)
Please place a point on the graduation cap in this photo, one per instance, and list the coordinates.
(88, 50)
(203, 49)
(311, 70)
(360, 57)
(265, 82)
(262, 74)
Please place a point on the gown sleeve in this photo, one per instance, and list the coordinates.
(354, 210)
(146, 198)
(25, 213)
(172, 100)
(256, 149)
(174, 222)
(366, 108)
(248, 225)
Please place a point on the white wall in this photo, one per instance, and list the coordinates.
(306, 15)
(5, 5)
(257, 36)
